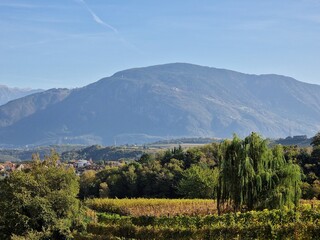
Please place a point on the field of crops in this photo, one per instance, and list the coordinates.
(128, 223)
(154, 207)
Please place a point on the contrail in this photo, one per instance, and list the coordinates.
(99, 21)
(95, 16)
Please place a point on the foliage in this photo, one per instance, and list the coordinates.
(262, 231)
(253, 176)
(199, 182)
(316, 140)
(88, 184)
(266, 224)
(40, 200)
(24, 154)
(98, 153)
(151, 176)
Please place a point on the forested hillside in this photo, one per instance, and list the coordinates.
(162, 102)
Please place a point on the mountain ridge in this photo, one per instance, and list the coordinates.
(8, 94)
(176, 100)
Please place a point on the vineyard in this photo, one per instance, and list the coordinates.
(154, 207)
(122, 219)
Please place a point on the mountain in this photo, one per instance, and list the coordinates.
(161, 102)
(14, 111)
(7, 94)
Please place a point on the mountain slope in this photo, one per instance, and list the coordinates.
(7, 94)
(21, 108)
(171, 100)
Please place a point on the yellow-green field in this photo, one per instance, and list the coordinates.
(167, 207)
(154, 207)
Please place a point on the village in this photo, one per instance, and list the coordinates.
(79, 166)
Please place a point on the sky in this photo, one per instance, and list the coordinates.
(71, 43)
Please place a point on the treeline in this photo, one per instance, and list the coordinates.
(24, 154)
(245, 173)
(309, 161)
(189, 140)
(99, 153)
(301, 140)
(152, 176)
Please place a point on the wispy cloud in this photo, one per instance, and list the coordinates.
(98, 20)
(107, 26)
(95, 17)
(18, 5)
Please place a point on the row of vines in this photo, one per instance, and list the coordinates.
(302, 223)
(254, 231)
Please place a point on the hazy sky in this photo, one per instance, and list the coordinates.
(71, 43)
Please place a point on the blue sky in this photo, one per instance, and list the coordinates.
(71, 43)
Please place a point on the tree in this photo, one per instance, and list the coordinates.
(252, 176)
(198, 182)
(103, 190)
(40, 201)
(315, 154)
(176, 153)
(316, 147)
(146, 157)
(192, 156)
(88, 185)
(316, 140)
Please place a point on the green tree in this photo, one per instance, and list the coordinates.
(252, 176)
(176, 153)
(315, 154)
(103, 190)
(40, 201)
(192, 156)
(198, 182)
(316, 140)
(88, 184)
(146, 157)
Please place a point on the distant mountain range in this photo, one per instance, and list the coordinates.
(162, 102)
(7, 94)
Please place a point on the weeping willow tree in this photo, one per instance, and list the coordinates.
(253, 176)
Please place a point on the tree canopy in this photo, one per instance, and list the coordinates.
(40, 201)
(316, 140)
(253, 176)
